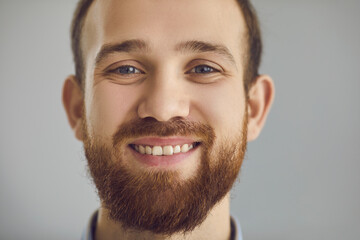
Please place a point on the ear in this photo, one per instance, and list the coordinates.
(261, 95)
(73, 101)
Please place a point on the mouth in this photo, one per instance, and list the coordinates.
(165, 150)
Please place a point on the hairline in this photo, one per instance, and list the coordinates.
(244, 41)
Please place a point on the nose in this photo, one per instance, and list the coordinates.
(165, 98)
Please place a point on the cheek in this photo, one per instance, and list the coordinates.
(222, 106)
(111, 105)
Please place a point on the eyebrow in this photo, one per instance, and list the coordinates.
(201, 47)
(138, 45)
(126, 46)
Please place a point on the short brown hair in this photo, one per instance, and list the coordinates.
(254, 43)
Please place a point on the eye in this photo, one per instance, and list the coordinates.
(203, 69)
(123, 73)
(126, 70)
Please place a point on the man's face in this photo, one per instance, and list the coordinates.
(162, 77)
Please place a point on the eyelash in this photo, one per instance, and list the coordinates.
(192, 71)
(212, 69)
(116, 70)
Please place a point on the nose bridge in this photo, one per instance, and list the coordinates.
(165, 97)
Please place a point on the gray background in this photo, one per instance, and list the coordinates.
(299, 180)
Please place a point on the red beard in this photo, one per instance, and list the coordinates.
(161, 202)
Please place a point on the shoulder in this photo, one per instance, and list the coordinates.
(88, 233)
(236, 233)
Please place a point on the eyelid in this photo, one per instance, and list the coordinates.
(112, 73)
(125, 63)
(204, 62)
(113, 70)
(214, 70)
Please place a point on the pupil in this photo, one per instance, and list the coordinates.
(203, 69)
(126, 70)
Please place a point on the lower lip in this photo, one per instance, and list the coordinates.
(161, 161)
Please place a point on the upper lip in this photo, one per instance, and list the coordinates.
(163, 141)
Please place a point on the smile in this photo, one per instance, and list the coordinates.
(167, 150)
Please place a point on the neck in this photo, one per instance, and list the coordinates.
(216, 226)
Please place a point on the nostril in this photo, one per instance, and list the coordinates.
(163, 108)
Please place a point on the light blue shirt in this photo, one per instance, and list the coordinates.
(89, 232)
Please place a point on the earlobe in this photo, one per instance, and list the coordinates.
(261, 96)
(73, 101)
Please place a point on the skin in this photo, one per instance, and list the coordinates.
(166, 86)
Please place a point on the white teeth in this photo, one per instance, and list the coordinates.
(177, 149)
(141, 149)
(148, 150)
(168, 150)
(165, 150)
(185, 148)
(157, 151)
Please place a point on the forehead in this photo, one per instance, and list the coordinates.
(163, 23)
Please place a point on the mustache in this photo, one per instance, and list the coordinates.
(174, 127)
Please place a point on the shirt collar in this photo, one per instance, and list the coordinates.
(89, 231)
